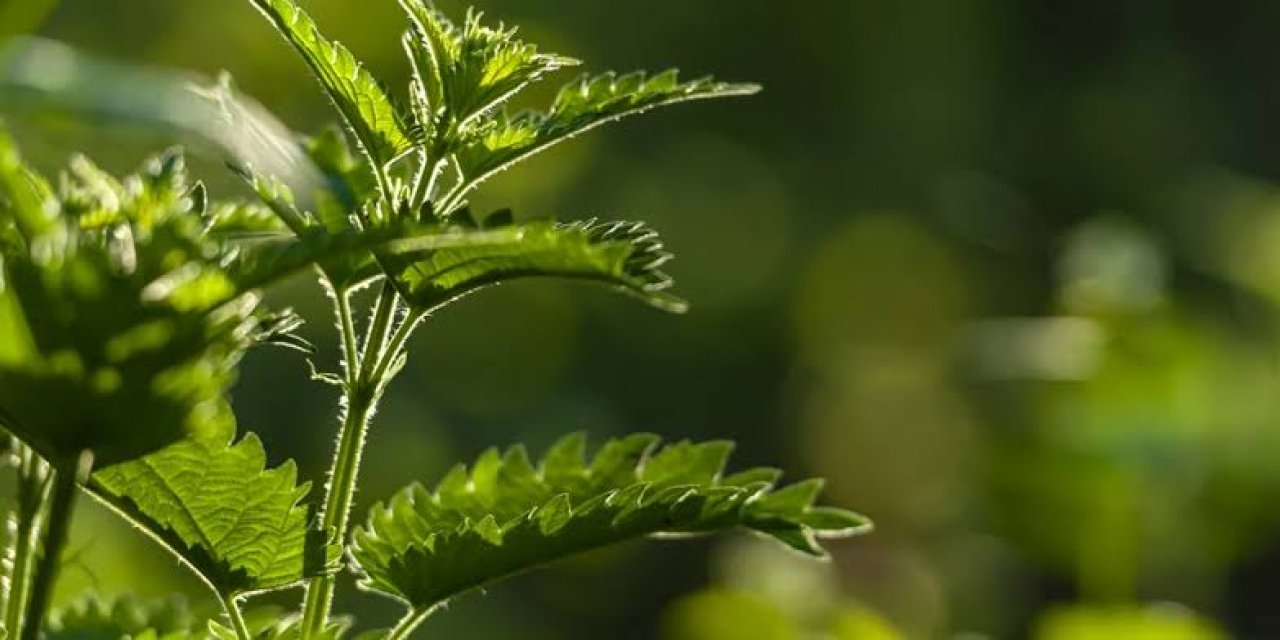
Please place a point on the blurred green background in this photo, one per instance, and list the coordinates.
(1006, 272)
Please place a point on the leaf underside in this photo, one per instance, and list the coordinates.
(241, 526)
(506, 515)
(624, 255)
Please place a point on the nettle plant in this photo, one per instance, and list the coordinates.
(126, 306)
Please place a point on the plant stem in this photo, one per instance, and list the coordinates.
(379, 325)
(34, 484)
(397, 342)
(65, 481)
(347, 324)
(237, 618)
(360, 400)
(409, 624)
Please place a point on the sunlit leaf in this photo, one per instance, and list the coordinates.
(357, 95)
(507, 515)
(581, 106)
(624, 255)
(466, 71)
(240, 526)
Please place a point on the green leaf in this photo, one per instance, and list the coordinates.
(625, 255)
(93, 617)
(1155, 622)
(358, 96)
(112, 295)
(240, 526)
(579, 107)
(467, 71)
(506, 515)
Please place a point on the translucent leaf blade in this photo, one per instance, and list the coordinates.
(241, 526)
(580, 106)
(426, 547)
(358, 96)
(625, 256)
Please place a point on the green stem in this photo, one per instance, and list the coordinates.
(409, 624)
(65, 481)
(34, 485)
(397, 342)
(237, 618)
(347, 324)
(379, 325)
(361, 395)
(454, 197)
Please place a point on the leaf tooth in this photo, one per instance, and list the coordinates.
(789, 502)
(768, 476)
(567, 458)
(516, 466)
(489, 530)
(828, 522)
(800, 539)
(617, 462)
(454, 485)
(553, 516)
(484, 476)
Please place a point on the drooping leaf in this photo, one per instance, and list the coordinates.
(506, 515)
(624, 255)
(93, 617)
(467, 71)
(240, 526)
(358, 96)
(580, 106)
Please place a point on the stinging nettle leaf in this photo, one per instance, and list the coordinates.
(580, 106)
(467, 71)
(625, 255)
(240, 526)
(358, 96)
(508, 515)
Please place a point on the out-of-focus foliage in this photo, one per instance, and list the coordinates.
(1150, 623)
(761, 594)
(20, 16)
(112, 295)
(92, 618)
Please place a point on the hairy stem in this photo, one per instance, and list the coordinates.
(360, 400)
(65, 482)
(396, 344)
(379, 326)
(427, 181)
(34, 484)
(237, 618)
(347, 325)
(409, 623)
